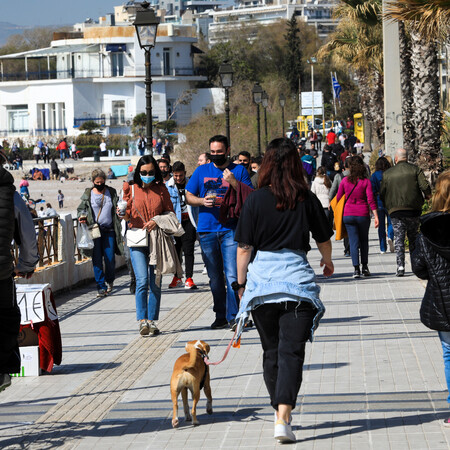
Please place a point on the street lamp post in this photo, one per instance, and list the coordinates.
(146, 24)
(257, 98)
(282, 104)
(265, 104)
(312, 61)
(226, 77)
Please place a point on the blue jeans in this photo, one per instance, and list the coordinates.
(148, 293)
(219, 250)
(382, 216)
(104, 251)
(444, 336)
(358, 235)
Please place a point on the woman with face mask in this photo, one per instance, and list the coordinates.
(146, 198)
(98, 206)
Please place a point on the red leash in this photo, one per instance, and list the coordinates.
(208, 363)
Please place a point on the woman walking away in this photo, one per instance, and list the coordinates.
(98, 207)
(359, 201)
(381, 166)
(146, 198)
(280, 287)
(431, 261)
(321, 187)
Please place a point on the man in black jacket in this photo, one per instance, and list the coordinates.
(9, 311)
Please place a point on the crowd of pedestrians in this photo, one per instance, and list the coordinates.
(253, 218)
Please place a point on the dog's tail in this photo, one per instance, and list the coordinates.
(193, 353)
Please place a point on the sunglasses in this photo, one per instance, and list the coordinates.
(145, 172)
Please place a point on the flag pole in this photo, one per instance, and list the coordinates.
(335, 77)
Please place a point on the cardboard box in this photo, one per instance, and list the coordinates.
(27, 338)
(29, 362)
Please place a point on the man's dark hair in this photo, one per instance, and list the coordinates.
(327, 148)
(166, 157)
(307, 151)
(147, 159)
(219, 138)
(245, 153)
(178, 166)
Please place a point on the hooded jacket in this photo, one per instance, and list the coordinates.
(6, 223)
(431, 261)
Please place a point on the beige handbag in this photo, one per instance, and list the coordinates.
(137, 237)
(94, 229)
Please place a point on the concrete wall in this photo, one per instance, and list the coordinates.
(67, 273)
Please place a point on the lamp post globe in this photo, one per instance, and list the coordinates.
(226, 78)
(146, 24)
(257, 98)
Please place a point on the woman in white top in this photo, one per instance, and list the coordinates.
(321, 187)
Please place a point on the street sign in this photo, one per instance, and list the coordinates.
(307, 99)
(308, 111)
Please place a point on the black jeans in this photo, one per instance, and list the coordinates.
(185, 244)
(284, 329)
(9, 327)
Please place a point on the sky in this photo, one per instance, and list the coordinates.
(31, 13)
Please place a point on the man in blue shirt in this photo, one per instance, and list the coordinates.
(206, 189)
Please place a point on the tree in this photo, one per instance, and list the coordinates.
(293, 67)
(89, 126)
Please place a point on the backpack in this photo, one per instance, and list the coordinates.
(309, 169)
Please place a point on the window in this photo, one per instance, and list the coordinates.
(166, 61)
(117, 64)
(18, 118)
(169, 105)
(118, 112)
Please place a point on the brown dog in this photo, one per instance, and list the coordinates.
(190, 372)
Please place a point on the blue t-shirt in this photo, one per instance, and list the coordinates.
(208, 177)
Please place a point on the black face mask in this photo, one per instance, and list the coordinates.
(164, 173)
(245, 165)
(218, 160)
(100, 187)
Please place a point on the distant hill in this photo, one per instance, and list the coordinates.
(7, 29)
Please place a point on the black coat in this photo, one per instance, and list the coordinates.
(431, 261)
(6, 223)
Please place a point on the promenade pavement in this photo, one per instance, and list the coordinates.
(373, 377)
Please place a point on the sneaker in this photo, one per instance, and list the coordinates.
(365, 271)
(283, 432)
(109, 287)
(400, 271)
(154, 330)
(190, 284)
(176, 282)
(101, 293)
(446, 422)
(204, 271)
(382, 252)
(347, 254)
(357, 272)
(391, 245)
(144, 328)
(233, 324)
(5, 381)
(219, 323)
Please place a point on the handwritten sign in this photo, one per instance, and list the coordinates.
(34, 301)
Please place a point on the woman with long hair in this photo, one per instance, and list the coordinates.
(321, 186)
(431, 261)
(146, 198)
(358, 204)
(381, 166)
(280, 287)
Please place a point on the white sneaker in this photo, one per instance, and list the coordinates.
(283, 432)
(391, 245)
(204, 272)
(109, 287)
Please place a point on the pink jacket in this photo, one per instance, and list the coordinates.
(361, 198)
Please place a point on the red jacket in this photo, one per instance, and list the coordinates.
(233, 201)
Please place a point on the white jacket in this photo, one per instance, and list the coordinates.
(318, 187)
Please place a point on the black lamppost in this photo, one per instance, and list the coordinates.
(265, 104)
(282, 104)
(257, 94)
(146, 24)
(226, 77)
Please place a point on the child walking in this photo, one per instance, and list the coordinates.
(60, 199)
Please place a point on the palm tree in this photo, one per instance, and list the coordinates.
(427, 23)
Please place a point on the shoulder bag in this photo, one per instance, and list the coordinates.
(94, 230)
(338, 212)
(136, 237)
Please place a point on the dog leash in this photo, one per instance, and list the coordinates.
(209, 363)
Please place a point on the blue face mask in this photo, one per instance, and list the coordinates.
(147, 179)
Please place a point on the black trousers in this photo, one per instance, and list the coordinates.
(185, 244)
(284, 329)
(9, 327)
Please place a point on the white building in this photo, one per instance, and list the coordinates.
(97, 73)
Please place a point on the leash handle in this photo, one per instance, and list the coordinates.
(209, 363)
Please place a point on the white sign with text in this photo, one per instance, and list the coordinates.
(33, 301)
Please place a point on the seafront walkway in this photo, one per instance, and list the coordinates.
(373, 377)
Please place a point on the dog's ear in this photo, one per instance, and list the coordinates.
(206, 347)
